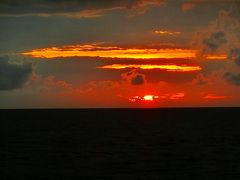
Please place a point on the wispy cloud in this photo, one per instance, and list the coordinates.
(74, 8)
(214, 97)
(188, 5)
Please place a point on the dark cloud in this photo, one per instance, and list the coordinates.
(214, 41)
(138, 79)
(48, 7)
(134, 77)
(233, 78)
(13, 76)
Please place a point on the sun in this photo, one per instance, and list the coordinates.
(148, 97)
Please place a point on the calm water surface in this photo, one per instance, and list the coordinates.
(120, 144)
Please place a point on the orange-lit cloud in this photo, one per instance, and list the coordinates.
(214, 97)
(192, 4)
(217, 57)
(188, 6)
(162, 32)
(142, 6)
(177, 96)
(166, 67)
(93, 50)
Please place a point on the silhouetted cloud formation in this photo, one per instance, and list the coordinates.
(138, 79)
(13, 76)
(134, 77)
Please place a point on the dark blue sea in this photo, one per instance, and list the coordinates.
(141, 144)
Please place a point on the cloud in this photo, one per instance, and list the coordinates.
(214, 97)
(222, 37)
(177, 96)
(200, 80)
(234, 54)
(142, 6)
(73, 8)
(233, 78)
(188, 5)
(165, 32)
(12, 75)
(134, 77)
(104, 51)
(138, 79)
(219, 36)
(48, 84)
(235, 11)
(214, 41)
(164, 67)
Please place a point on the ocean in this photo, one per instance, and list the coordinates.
(79, 144)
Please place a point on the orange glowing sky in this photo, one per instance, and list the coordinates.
(126, 53)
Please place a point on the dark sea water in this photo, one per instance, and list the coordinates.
(120, 144)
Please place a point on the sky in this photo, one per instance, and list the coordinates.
(119, 53)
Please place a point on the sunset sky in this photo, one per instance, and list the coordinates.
(119, 53)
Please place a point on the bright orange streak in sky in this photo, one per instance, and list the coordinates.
(167, 32)
(93, 50)
(217, 57)
(167, 67)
